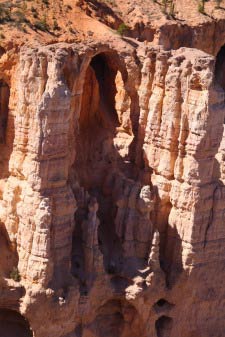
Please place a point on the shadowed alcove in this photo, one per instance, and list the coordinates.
(9, 256)
(220, 67)
(4, 109)
(5, 148)
(97, 157)
(12, 324)
(163, 326)
(117, 318)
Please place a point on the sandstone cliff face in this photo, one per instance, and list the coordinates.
(112, 191)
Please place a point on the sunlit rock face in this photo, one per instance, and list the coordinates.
(112, 192)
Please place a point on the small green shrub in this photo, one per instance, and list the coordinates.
(55, 25)
(123, 29)
(19, 16)
(172, 10)
(201, 7)
(71, 30)
(4, 13)
(41, 25)
(15, 275)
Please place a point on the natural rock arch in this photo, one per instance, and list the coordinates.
(13, 324)
(96, 156)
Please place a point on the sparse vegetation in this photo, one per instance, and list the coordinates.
(4, 13)
(19, 16)
(34, 11)
(165, 3)
(201, 7)
(42, 25)
(71, 30)
(55, 25)
(168, 8)
(123, 29)
(172, 9)
(15, 275)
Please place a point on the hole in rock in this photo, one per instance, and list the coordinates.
(6, 143)
(161, 302)
(162, 305)
(220, 67)
(97, 159)
(12, 324)
(117, 318)
(164, 326)
(4, 108)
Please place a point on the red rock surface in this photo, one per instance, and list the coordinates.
(112, 169)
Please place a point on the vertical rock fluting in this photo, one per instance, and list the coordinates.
(111, 202)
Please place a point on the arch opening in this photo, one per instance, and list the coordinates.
(162, 305)
(98, 157)
(13, 324)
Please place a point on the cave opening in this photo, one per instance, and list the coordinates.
(162, 305)
(97, 158)
(117, 318)
(164, 326)
(4, 109)
(162, 302)
(13, 324)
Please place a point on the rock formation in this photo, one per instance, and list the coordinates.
(112, 179)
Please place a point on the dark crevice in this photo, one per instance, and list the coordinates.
(164, 326)
(211, 217)
(9, 256)
(2, 51)
(220, 68)
(96, 160)
(170, 252)
(6, 130)
(13, 324)
(4, 109)
(162, 305)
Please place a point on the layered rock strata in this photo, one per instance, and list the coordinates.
(112, 192)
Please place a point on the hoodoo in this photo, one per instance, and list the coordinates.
(112, 150)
